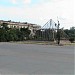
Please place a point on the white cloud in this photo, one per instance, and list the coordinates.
(20, 1)
(26, 1)
(14, 1)
(41, 13)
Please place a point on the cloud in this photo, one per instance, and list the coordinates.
(41, 13)
(26, 1)
(20, 1)
(14, 1)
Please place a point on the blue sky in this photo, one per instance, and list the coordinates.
(38, 11)
(12, 3)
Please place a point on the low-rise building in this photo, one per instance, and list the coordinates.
(12, 24)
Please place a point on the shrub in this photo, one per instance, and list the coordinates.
(71, 40)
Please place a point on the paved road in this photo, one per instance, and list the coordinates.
(33, 59)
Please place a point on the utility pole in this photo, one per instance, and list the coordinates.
(53, 35)
(58, 33)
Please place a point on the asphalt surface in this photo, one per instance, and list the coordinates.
(30, 59)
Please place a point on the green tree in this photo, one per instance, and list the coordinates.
(4, 26)
(70, 33)
(13, 34)
(25, 32)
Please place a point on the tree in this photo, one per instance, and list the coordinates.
(71, 34)
(13, 34)
(4, 26)
(25, 32)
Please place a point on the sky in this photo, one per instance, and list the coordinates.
(38, 11)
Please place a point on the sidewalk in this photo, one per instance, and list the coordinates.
(45, 42)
